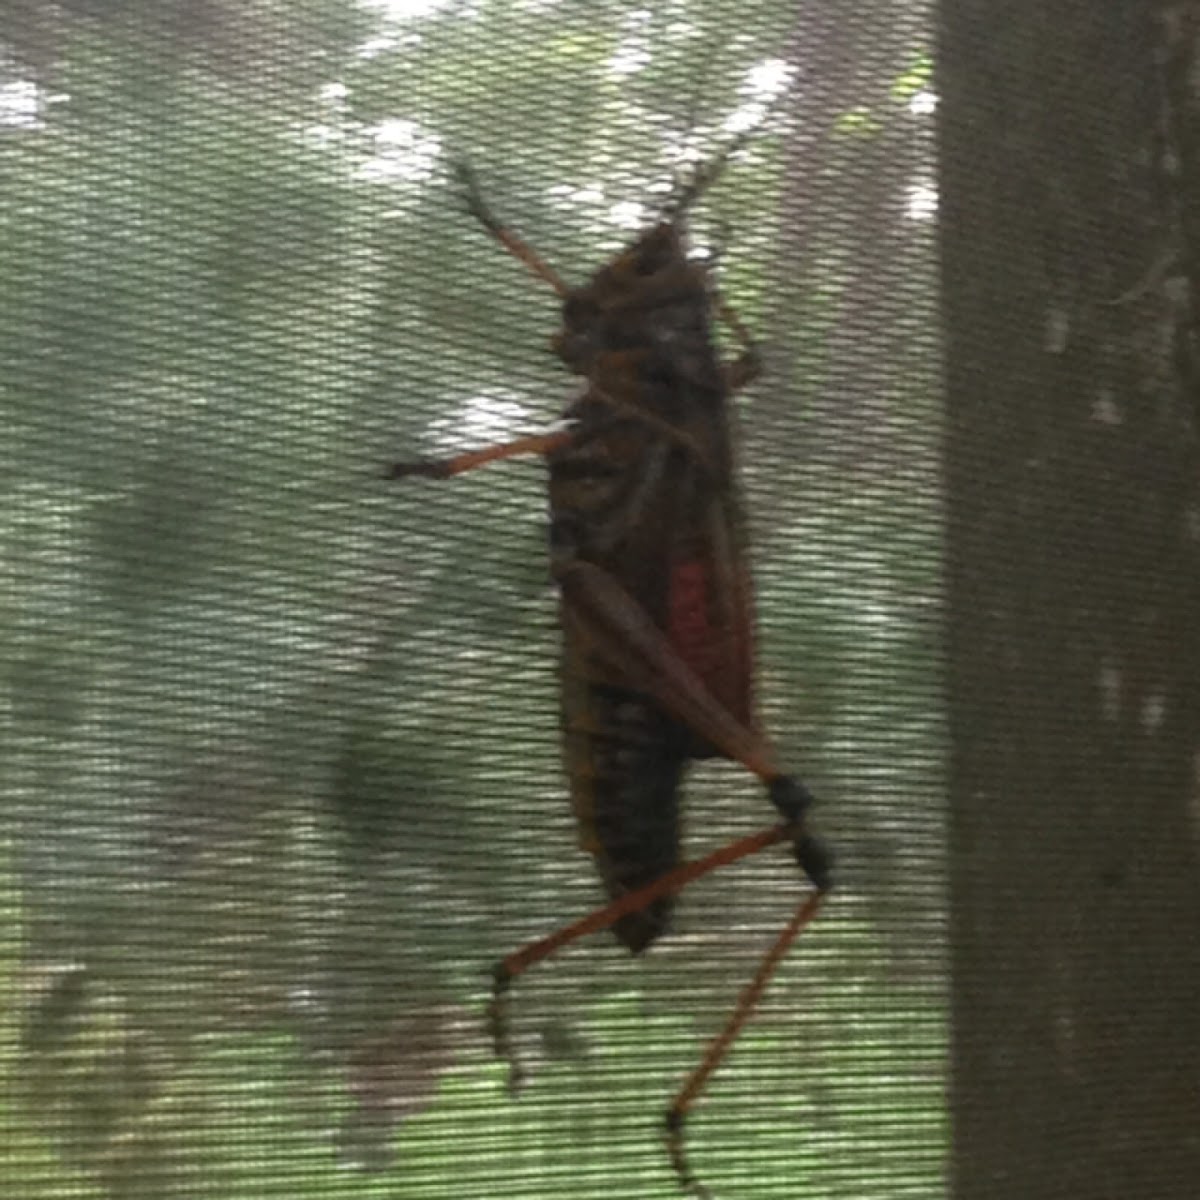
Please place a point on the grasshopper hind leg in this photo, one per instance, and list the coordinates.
(625, 759)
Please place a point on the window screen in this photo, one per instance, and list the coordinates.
(282, 777)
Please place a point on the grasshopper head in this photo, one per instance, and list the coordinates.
(635, 302)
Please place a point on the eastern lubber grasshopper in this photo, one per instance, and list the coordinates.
(648, 550)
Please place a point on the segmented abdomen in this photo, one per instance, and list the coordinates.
(625, 760)
(654, 511)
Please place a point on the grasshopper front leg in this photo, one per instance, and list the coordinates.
(747, 367)
(458, 464)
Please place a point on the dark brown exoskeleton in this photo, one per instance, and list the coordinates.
(648, 550)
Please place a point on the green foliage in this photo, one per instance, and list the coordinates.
(916, 79)
(236, 1115)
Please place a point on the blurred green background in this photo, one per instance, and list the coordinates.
(280, 776)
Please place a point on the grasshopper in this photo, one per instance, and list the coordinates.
(648, 549)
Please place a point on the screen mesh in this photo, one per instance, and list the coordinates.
(282, 778)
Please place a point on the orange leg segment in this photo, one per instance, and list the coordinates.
(443, 468)
(747, 367)
(719, 1047)
(516, 964)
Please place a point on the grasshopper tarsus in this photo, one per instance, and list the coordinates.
(498, 1028)
(675, 1129)
(418, 467)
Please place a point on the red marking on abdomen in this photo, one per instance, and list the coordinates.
(719, 656)
(688, 625)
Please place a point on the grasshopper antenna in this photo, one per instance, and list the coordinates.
(474, 203)
(686, 193)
